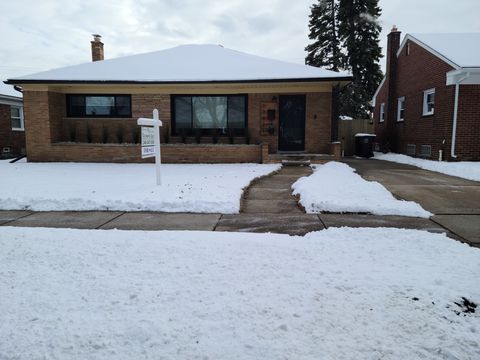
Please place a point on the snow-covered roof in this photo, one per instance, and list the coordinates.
(186, 63)
(457, 49)
(9, 91)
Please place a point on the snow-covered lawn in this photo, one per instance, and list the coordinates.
(340, 293)
(129, 187)
(465, 169)
(335, 187)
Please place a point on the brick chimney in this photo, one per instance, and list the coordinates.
(393, 44)
(97, 48)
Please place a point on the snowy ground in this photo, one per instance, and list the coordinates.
(465, 169)
(335, 187)
(340, 293)
(214, 188)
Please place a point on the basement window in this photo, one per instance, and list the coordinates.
(425, 151)
(16, 116)
(382, 112)
(204, 114)
(99, 106)
(428, 102)
(401, 109)
(411, 149)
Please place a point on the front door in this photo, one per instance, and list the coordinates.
(291, 134)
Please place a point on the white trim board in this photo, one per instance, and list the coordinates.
(374, 98)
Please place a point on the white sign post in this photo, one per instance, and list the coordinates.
(151, 141)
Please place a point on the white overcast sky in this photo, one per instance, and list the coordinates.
(38, 35)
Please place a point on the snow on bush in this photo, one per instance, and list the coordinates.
(213, 188)
(464, 169)
(340, 293)
(335, 187)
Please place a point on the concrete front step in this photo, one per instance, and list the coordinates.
(296, 162)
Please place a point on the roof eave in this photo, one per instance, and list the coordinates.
(10, 100)
(464, 76)
(186, 82)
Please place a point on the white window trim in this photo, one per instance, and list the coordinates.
(22, 122)
(400, 99)
(425, 111)
(382, 113)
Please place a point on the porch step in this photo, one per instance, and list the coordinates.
(296, 162)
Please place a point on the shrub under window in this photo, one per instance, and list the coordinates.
(99, 106)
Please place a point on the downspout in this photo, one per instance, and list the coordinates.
(455, 115)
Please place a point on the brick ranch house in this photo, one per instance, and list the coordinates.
(216, 104)
(12, 134)
(429, 101)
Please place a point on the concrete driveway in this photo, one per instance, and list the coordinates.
(454, 201)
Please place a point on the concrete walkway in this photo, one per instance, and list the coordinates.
(454, 201)
(268, 206)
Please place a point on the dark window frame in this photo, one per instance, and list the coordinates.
(84, 115)
(206, 131)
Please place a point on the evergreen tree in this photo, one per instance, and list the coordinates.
(324, 51)
(359, 33)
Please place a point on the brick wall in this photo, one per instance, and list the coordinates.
(171, 153)
(46, 124)
(468, 123)
(416, 72)
(317, 121)
(9, 138)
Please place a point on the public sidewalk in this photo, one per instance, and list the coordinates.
(293, 224)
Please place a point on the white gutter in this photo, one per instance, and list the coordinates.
(455, 114)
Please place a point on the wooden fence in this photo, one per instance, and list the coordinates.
(347, 130)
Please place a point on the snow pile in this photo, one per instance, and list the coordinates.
(214, 188)
(336, 294)
(335, 187)
(464, 169)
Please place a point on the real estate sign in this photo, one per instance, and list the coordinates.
(151, 141)
(148, 142)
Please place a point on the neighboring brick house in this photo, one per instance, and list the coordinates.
(12, 134)
(428, 104)
(216, 104)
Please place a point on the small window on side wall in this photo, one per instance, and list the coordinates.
(401, 109)
(428, 102)
(16, 116)
(382, 112)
